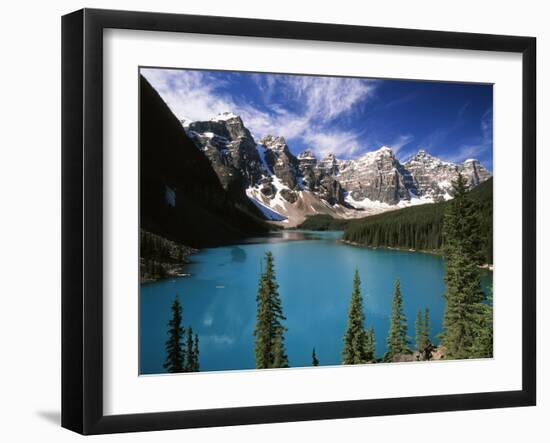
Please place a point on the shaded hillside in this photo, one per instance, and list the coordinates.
(324, 222)
(181, 197)
(421, 227)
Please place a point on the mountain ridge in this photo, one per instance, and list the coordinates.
(291, 187)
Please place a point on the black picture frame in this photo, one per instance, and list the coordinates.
(82, 219)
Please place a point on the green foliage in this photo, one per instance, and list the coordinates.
(196, 367)
(421, 227)
(159, 256)
(464, 310)
(175, 355)
(422, 326)
(398, 341)
(180, 357)
(314, 359)
(323, 222)
(370, 345)
(482, 346)
(269, 332)
(192, 354)
(355, 338)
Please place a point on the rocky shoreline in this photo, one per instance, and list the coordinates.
(161, 258)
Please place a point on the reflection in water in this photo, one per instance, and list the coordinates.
(314, 271)
(238, 254)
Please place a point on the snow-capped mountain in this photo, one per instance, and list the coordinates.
(285, 187)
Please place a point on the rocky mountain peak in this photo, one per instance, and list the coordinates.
(307, 155)
(280, 160)
(475, 172)
(274, 143)
(373, 181)
(385, 150)
(422, 155)
(225, 116)
(328, 165)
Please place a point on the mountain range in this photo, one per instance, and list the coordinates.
(286, 188)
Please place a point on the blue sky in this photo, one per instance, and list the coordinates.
(340, 115)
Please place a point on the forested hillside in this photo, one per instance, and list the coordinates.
(181, 197)
(324, 222)
(159, 257)
(421, 227)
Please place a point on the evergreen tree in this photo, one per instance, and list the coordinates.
(280, 359)
(427, 327)
(419, 328)
(462, 276)
(263, 326)
(398, 342)
(269, 332)
(482, 346)
(314, 359)
(370, 345)
(196, 367)
(355, 337)
(175, 355)
(423, 342)
(190, 363)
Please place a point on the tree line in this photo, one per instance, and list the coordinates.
(422, 227)
(159, 256)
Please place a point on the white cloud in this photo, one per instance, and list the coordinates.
(189, 94)
(218, 339)
(208, 320)
(400, 142)
(339, 143)
(320, 100)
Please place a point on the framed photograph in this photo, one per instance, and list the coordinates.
(269, 221)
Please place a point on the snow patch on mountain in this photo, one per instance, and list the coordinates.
(282, 185)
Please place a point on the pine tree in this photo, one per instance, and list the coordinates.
(423, 342)
(175, 355)
(462, 276)
(314, 359)
(482, 346)
(269, 332)
(398, 342)
(190, 363)
(263, 326)
(196, 367)
(420, 334)
(370, 345)
(280, 359)
(355, 337)
(427, 327)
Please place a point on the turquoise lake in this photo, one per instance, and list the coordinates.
(314, 271)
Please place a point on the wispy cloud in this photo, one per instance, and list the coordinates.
(208, 320)
(218, 339)
(314, 104)
(480, 146)
(400, 142)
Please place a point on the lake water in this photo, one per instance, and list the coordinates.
(315, 273)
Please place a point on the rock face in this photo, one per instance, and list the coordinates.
(433, 177)
(280, 160)
(271, 176)
(376, 176)
(230, 148)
